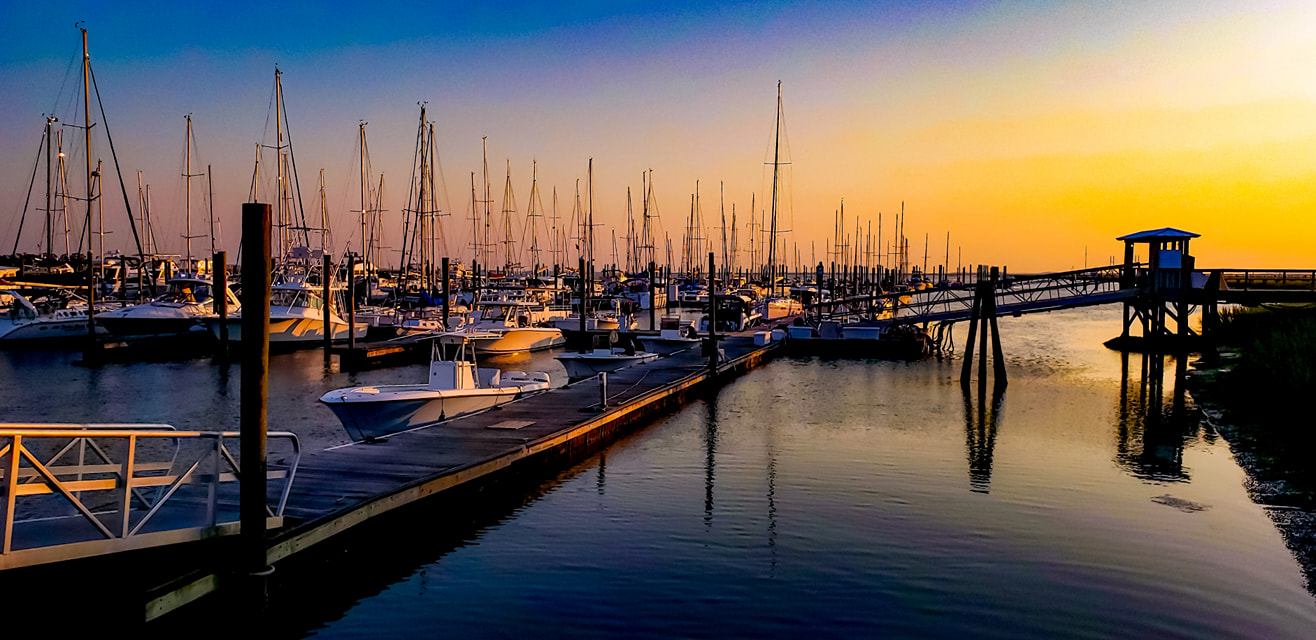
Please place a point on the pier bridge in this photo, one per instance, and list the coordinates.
(1158, 295)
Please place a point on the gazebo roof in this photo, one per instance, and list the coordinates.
(1164, 233)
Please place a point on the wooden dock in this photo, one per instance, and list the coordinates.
(342, 487)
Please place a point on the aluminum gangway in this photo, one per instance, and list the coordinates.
(1019, 294)
(72, 491)
(1015, 295)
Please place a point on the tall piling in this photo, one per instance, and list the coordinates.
(653, 297)
(256, 268)
(447, 291)
(219, 288)
(351, 300)
(327, 280)
(585, 340)
(712, 314)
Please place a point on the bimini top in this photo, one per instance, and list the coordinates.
(1164, 233)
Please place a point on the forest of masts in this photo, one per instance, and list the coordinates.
(506, 240)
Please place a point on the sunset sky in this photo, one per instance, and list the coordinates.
(1031, 131)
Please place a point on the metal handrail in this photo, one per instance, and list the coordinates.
(38, 478)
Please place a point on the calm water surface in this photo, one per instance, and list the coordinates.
(828, 498)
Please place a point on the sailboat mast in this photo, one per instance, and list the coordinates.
(86, 132)
(365, 246)
(589, 185)
(475, 222)
(280, 214)
(187, 208)
(421, 219)
(534, 212)
(509, 206)
(324, 216)
(553, 243)
(776, 167)
(50, 152)
(488, 198)
(210, 186)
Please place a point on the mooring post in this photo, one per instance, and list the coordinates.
(998, 358)
(219, 287)
(447, 292)
(603, 389)
(351, 300)
(984, 288)
(966, 368)
(256, 270)
(817, 300)
(712, 315)
(653, 297)
(326, 279)
(586, 343)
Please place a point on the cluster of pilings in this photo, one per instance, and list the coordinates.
(984, 314)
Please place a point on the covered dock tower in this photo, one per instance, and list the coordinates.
(1164, 285)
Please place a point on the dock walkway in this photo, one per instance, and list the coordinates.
(341, 487)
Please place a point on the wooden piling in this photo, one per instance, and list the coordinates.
(447, 292)
(585, 345)
(219, 287)
(653, 298)
(351, 300)
(998, 357)
(326, 277)
(712, 314)
(256, 268)
(966, 369)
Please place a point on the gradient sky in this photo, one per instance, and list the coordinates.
(1031, 131)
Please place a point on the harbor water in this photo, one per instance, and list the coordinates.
(829, 498)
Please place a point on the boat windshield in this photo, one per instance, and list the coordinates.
(495, 313)
(15, 307)
(295, 298)
(187, 293)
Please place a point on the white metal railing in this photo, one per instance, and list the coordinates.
(120, 478)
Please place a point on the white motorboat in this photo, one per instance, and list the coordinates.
(298, 316)
(734, 313)
(188, 301)
(607, 313)
(48, 320)
(584, 365)
(509, 326)
(456, 387)
(669, 341)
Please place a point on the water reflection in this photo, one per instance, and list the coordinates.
(710, 455)
(770, 466)
(980, 434)
(1150, 434)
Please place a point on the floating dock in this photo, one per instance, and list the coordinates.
(349, 485)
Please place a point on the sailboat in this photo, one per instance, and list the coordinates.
(299, 313)
(776, 305)
(188, 300)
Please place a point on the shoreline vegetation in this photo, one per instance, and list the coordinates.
(1254, 388)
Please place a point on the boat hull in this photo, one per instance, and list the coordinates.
(127, 327)
(289, 331)
(667, 346)
(516, 340)
(46, 333)
(584, 365)
(365, 417)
